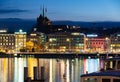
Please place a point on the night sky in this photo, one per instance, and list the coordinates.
(75, 10)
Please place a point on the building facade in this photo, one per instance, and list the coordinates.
(70, 42)
(96, 44)
(115, 43)
(7, 41)
(36, 41)
(20, 40)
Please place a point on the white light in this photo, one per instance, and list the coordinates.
(92, 35)
(118, 34)
(20, 30)
(75, 33)
(3, 30)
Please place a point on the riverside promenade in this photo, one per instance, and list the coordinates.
(60, 55)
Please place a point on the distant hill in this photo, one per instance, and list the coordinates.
(105, 24)
(14, 24)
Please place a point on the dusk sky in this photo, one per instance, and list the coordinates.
(74, 10)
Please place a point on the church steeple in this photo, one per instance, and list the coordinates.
(43, 11)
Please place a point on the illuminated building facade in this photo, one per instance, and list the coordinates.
(115, 43)
(37, 39)
(94, 43)
(73, 42)
(20, 40)
(7, 41)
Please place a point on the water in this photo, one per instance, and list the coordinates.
(56, 70)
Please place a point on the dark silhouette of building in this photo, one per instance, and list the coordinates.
(43, 23)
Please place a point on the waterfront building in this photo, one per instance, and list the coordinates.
(66, 42)
(115, 43)
(7, 41)
(36, 41)
(95, 43)
(20, 41)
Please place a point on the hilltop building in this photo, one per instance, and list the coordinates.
(43, 22)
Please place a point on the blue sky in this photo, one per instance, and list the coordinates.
(75, 10)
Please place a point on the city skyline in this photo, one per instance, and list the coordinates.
(79, 10)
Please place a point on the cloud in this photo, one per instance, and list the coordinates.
(7, 11)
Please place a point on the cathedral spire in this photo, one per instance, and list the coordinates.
(43, 11)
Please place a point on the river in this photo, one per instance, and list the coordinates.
(55, 70)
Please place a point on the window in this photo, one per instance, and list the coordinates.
(105, 80)
(91, 80)
(110, 65)
(118, 65)
(116, 80)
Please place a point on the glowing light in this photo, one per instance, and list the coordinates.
(50, 40)
(67, 39)
(33, 34)
(75, 33)
(3, 30)
(92, 35)
(20, 30)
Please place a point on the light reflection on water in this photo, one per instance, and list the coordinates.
(56, 70)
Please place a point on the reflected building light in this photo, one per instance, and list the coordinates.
(51, 71)
(5, 64)
(90, 64)
(32, 62)
(98, 64)
(16, 70)
(67, 71)
(25, 63)
(93, 65)
(72, 72)
(62, 70)
(20, 71)
(76, 71)
(85, 66)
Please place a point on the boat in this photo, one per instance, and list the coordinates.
(109, 73)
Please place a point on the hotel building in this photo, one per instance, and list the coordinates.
(7, 41)
(94, 43)
(70, 42)
(20, 40)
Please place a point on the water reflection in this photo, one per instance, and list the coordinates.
(55, 70)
